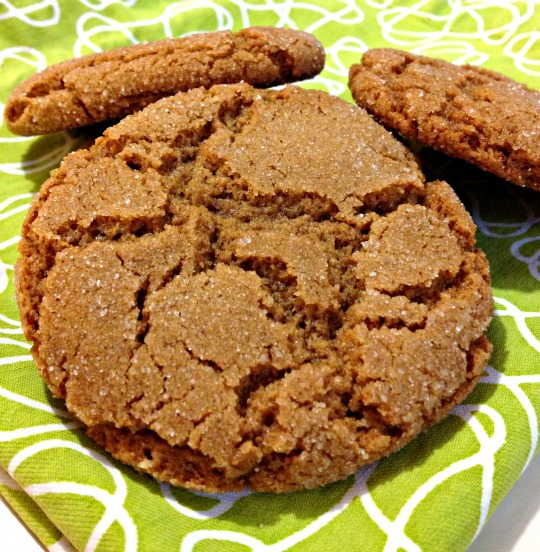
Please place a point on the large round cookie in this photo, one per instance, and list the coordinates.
(239, 287)
(115, 83)
(468, 112)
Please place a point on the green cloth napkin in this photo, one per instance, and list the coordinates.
(434, 495)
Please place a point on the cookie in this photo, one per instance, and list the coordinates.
(110, 85)
(465, 111)
(253, 288)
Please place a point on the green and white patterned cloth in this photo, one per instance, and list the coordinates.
(434, 495)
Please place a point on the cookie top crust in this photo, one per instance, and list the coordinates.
(115, 83)
(465, 111)
(252, 288)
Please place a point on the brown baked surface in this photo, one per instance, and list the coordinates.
(466, 111)
(240, 287)
(113, 84)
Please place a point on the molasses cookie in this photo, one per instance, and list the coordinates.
(112, 84)
(252, 288)
(465, 111)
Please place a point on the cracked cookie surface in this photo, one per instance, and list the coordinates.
(239, 287)
(110, 85)
(468, 112)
